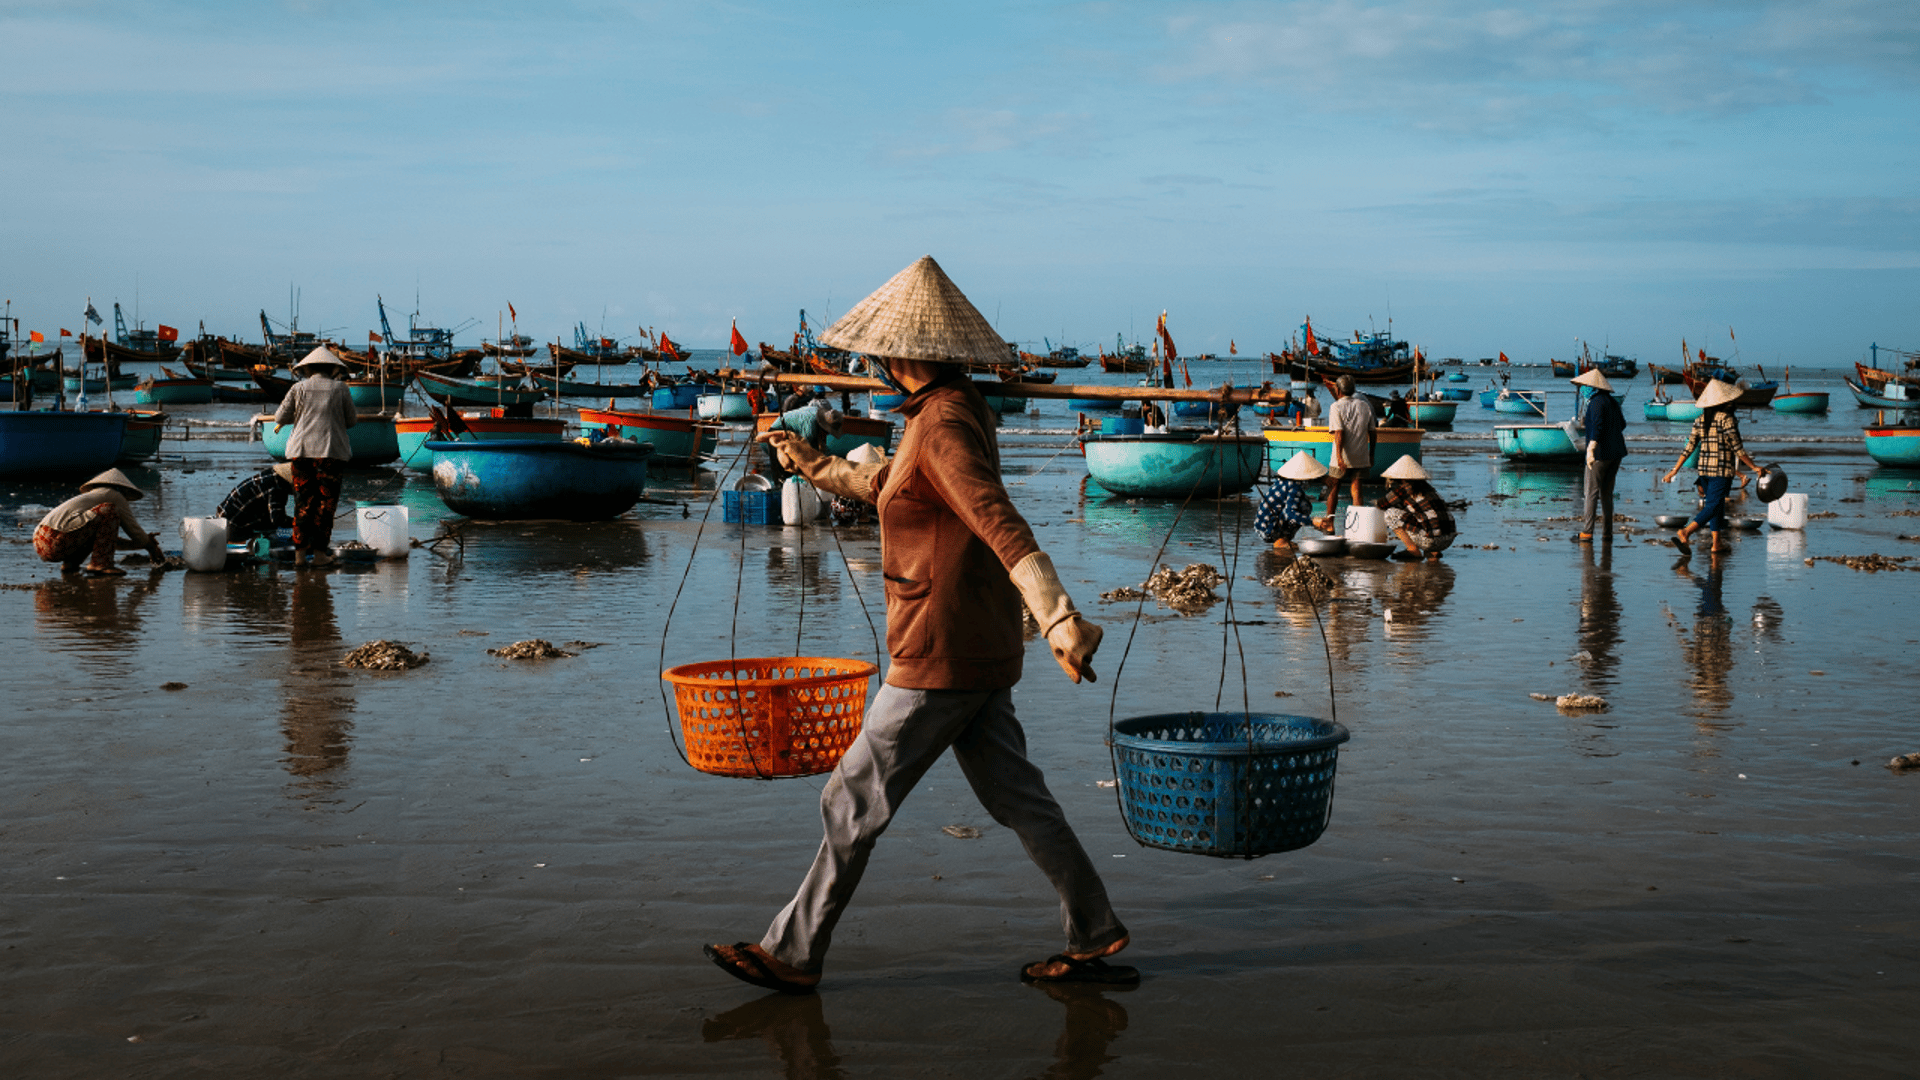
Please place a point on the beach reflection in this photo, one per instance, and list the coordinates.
(1537, 485)
(317, 702)
(1087, 1032)
(104, 614)
(1599, 618)
(1708, 649)
(794, 1029)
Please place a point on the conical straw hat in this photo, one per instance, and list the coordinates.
(1716, 393)
(1592, 377)
(114, 478)
(319, 357)
(1303, 466)
(919, 315)
(1405, 469)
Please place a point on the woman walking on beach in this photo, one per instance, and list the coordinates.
(1606, 434)
(320, 410)
(1716, 434)
(958, 560)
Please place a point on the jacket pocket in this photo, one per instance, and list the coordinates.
(906, 588)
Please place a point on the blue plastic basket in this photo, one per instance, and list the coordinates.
(750, 507)
(1190, 782)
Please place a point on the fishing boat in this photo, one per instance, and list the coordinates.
(1613, 367)
(1389, 445)
(370, 440)
(1125, 359)
(1488, 396)
(1535, 442)
(514, 345)
(59, 444)
(228, 394)
(1804, 402)
(205, 357)
(525, 479)
(588, 348)
(1432, 413)
(681, 395)
(570, 388)
(1909, 396)
(1524, 402)
(724, 407)
(141, 442)
(1666, 376)
(880, 403)
(1063, 356)
(75, 383)
(411, 433)
(854, 431)
(375, 394)
(1753, 395)
(678, 441)
(451, 390)
(1455, 393)
(1457, 376)
(1095, 404)
(1683, 410)
(1174, 465)
(1368, 358)
(1654, 409)
(139, 345)
(170, 388)
(1896, 444)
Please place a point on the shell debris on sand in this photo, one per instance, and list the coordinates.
(535, 649)
(961, 832)
(1188, 591)
(1904, 762)
(384, 656)
(1871, 564)
(1305, 575)
(1580, 702)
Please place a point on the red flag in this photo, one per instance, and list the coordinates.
(1504, 360)
(606, 343)
(1730, 336)
(514, 315)
(36, 337)
(1167, 341)
(738, 344)
(667, 346)
(373, 338)
(64, 332)
(168, 333)
(1232, 349)
(1703, 356)
(1313, 347)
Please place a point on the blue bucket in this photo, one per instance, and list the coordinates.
(1190, 781)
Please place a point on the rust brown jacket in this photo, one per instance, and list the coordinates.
(948, 533)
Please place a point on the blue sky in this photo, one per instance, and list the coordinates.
(1495, 177)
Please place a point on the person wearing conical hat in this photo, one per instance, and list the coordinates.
(1606, 433)
(90, 523)
(1286, 506)
(321, 410)
(1350, 424)
(1415, 512)
(1716, 434)
(958, 561)
(257, 506)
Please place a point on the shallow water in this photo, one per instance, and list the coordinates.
(487, 867)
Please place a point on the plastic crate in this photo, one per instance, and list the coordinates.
(750, 507)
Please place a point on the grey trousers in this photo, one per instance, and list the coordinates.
(904, 733)
(1600, 477)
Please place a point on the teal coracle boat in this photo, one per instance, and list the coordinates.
(1535, 442)
(142, 439)
(170, 389)
(1389, 446)
(1432, 413)
(854, 430)
(1456, 376)
(1523, 402)
(880, 403)
(412, 432)
(75, 384)
(1488, 395)
(1654, 410)
(678, 441)
(1683, 410)
(1810, 402)
(1455, 393)
(376, 395)
(57, 444)
(1175, 465)
(520, 480)
(372, 440)
(1094, 404)
(680, 395)
(724, 407)
(448, 390)
(1894, 445)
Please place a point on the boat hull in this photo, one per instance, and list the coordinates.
(1456, 393)
(372, 440)
(569, 388)
(1433, 413)
(1899, 447)
(724, 407)
(1094, 404)
(1683, 410)
(1867, 399)
(1521, 402)
(678, 442)
(1654, 410)
(411, 433)
(376, 395)
(448, 390)
(1535, 442)
(57, 444)
(1800, 403)
(74, 384)
(520, 480)
(142, 439)
(679, 396)
(1389, 446)
(1174, 465)
(174, 392)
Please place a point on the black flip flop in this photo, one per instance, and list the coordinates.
(1093, 970)
(1681, 543)
(760, 975)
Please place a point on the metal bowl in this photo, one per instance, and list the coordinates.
(1322, 545)
(1671, 521)
(1747, 524)
(1362, 550)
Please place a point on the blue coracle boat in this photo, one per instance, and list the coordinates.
(55, 444)
(1896, 444)
(518, 480)
(371, 440)
(1175, 465)
(681, 395)
(1535, 442)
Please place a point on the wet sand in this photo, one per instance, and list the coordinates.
(496, 868)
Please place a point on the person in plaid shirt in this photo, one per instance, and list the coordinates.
(1286, 506)
(258, 506)
(1415, 512)
(1716, 434)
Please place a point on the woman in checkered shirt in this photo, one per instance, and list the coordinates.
(1716, 434)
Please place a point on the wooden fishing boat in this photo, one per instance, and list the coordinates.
(74, 383)
(1125, 359)
(572, 389)
(370, 440)
(1368, 358)
(520, 480)
(411, 433)
(204, 358)
(724, 407)
(1523, 402)
(451, 390)
(1535, 442)
(1753, 395)
(170, 388)
(1389, 445)
(1896, 444)
(854, 430)
(59, 444)
(1666, 376)
(1065, 356)
(1805, 402)
(514, 345)
(1867, 399)
(227, 394)
(1175, 465)
(537, 371)
(141, 442)
(678, 441)
(563, 355)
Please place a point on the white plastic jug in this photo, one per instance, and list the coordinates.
(799, 503)
(1366, 525)
(384, 529)
(1789, 511)
(204, 543)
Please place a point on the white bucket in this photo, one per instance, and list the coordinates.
(1366, 525)
(1789, 511)
(384, 529)
(799, 503)
(204, 543)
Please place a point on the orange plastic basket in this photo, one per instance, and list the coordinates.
(770, 716)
